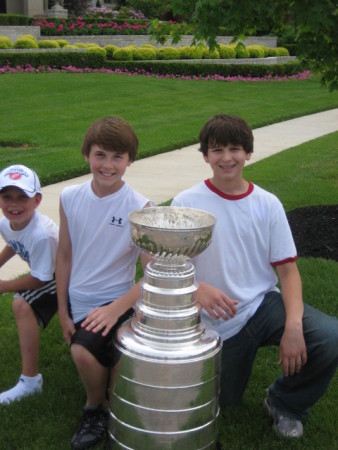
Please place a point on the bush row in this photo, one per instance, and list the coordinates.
(96, 60)
(14, 20)
(150, 52)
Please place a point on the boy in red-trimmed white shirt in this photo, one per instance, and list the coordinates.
(252, 241)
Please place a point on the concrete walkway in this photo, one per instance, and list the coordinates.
(161, 177)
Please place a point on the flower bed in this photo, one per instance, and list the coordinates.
(82, 27)
(142, 72)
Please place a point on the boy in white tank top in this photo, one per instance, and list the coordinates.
(95, 266)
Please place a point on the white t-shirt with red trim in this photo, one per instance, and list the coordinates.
(251, 236)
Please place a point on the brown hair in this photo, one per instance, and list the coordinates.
(111, 134)
(225, 129)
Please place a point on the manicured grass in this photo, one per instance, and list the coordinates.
(295, 174)
(50, 113)
(45, 116)
(48, 421)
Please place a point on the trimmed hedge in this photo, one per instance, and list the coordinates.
(97, 60)
(56, 59)
(14, 19)
(202, 69)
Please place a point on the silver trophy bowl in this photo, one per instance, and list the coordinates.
(170, 232)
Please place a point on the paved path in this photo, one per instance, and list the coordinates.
(161, 177)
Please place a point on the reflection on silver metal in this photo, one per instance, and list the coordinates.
(166, 392)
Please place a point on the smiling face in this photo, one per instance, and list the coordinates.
(108, 168)
(17, 207)
(227, 164)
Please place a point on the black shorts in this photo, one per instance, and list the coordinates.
(101, 347)
(43, 302)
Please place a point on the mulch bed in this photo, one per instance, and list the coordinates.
(315, 231)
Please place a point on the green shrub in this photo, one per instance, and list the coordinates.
(270, 51)
(143, 53)
(53, 59)
(95, 60)
(197, 51)
(211, 54)
(149, 46)
(241, 51)
(97, 50)
(81, 45)
(29, 36)
(287, 36)
(123, 54)
(5, 42)
(25, 42)
(62, 42)
(14, 19)
(256, 51)
(185, 52)
(131, 47)
(50, 43)
(70, 46)
(91, 45)
(281, 51)
(191, 52)
(202, 69)
(227, 51)
(110, 49)
(168, 53)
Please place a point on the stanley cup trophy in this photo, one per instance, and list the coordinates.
(166, 392)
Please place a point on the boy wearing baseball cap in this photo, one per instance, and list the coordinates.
(34, 237)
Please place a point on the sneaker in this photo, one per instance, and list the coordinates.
(92, 428)
(23, 388)
(284, 426)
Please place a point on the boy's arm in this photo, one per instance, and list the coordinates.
(105, 317)
(292, 350)
(6, 254)
(25, 283)
(63, 265)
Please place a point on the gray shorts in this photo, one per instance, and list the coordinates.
(43, 302)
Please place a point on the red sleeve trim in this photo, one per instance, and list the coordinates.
(284, 261)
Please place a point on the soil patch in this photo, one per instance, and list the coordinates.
(315, 231)
(6, 144)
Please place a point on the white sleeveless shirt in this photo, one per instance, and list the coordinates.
(103, 253)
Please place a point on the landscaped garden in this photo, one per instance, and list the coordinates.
(45, 112)
(44, 118)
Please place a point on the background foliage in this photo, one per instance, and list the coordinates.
(315, 23)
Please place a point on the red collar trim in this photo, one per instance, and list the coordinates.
(229, 196)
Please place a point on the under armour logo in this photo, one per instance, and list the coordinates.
(117, 221)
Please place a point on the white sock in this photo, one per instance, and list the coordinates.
(25, 386)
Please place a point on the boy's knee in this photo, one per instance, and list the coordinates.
(20, 307)
(81, 356)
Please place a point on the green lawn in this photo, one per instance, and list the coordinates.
(45, 116)
(51, 113)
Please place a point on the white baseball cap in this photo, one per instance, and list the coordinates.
(22, 178)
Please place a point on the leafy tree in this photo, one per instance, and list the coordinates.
(151, 8)
(77, 7)
(315, 22)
